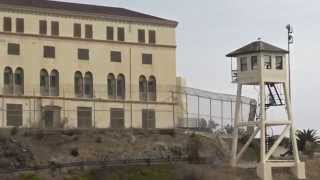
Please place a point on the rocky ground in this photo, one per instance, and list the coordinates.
(20, 148)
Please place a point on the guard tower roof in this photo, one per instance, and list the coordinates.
(255, 47)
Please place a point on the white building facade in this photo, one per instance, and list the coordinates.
(66, 65)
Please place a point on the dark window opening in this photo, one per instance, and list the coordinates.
(7, 24)
(243, 64)
(44, 83)
(141, 36)
(254, 62)
(121, 87)
(152, 37)
(279, 62)
(88, 31)
(54, 83)
(83, 54)
(148, 119)
(43, 27)
(55, 28)
(115, 56)
(19, 25)
(14, 115)
(117, 118)
(121, 34)
(13, 49)
(78, 84)
(19, 81)
(84, 117)
(143, 83)
(49, 52)
(111, 86)
(146, 58)
(8, 81)
(110, 33)
(77, 30)
(152, 89)
(88, 85)
(267, 62)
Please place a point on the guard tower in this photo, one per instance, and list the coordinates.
(264, 65)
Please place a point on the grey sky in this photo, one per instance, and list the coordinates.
(209, 29)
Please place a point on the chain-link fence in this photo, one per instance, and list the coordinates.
(130, 107)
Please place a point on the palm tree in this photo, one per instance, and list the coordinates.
(307, 135)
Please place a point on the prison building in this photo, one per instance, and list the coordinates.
(68, 65)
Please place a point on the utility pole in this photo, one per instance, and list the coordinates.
(290, 41)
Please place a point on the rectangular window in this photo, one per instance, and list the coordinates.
(19, 25)
(279, 62)
(49, 52)
(55, 28)
(115, 56)
(121, 35)
(148, 119)
(89, 31)
(117, 118)
(243, 64)
(43, 27)
(14, 115)
(110, 33)
(141, 36)
(146, 58)
(254, 62)
(84, 117)
(152, 37)
(77, 30)
(83, 54)
(267, 62)
(7, 24)
(13, 49)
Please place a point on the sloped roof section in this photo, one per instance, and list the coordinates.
(256, 46)
(90, 9)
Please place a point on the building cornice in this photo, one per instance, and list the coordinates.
(85, 40)
(74, 14)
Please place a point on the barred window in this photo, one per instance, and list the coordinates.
(121, 87)
(117, 118)
(7, 24)
(49, 52)
(254, 62)
(77, 30)
(19, 25)
(267, 62)
(14, 115)
(54, 83)
(83, 54)
(121, 34)
(148, 119)
(84, 117)
(143, 88)
(43, 27)
(8, 80)
(152, 37)
(110, 33)
(13, 49)
(141, 36)
(44, 82)
(115, 56)
(88, 85)
(78, 84)
(111, 86)
(55, 28)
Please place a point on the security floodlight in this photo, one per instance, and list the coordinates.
(289, 28)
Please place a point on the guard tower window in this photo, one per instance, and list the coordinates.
(19, 25)
(254, 62)
(243, 64)
(279, 62)
(267, 62)
(7, 24)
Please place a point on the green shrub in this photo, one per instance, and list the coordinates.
(29, 177)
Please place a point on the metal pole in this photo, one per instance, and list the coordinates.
(289, 64)
(231, 112)
(210, 109)
(173, 110)
(187, 110)
(198, 111)
(221, 108)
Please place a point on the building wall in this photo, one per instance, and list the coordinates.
(67, 63)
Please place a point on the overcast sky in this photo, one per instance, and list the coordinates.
(209, 29)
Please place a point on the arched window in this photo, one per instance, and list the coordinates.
(54, 83)
(88, 85)
(121, 87)
(19, 81)
(44, 83)
(152, 88)
(111, 86)
(143, 88)
(78, 84)
(8, 80)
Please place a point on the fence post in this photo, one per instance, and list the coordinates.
(187, 110)
(94, 108)
(210, 109)
(173, 110)
(34, 106)
(3, 111)
(231, 113)
(198, 111)
(222, 119)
